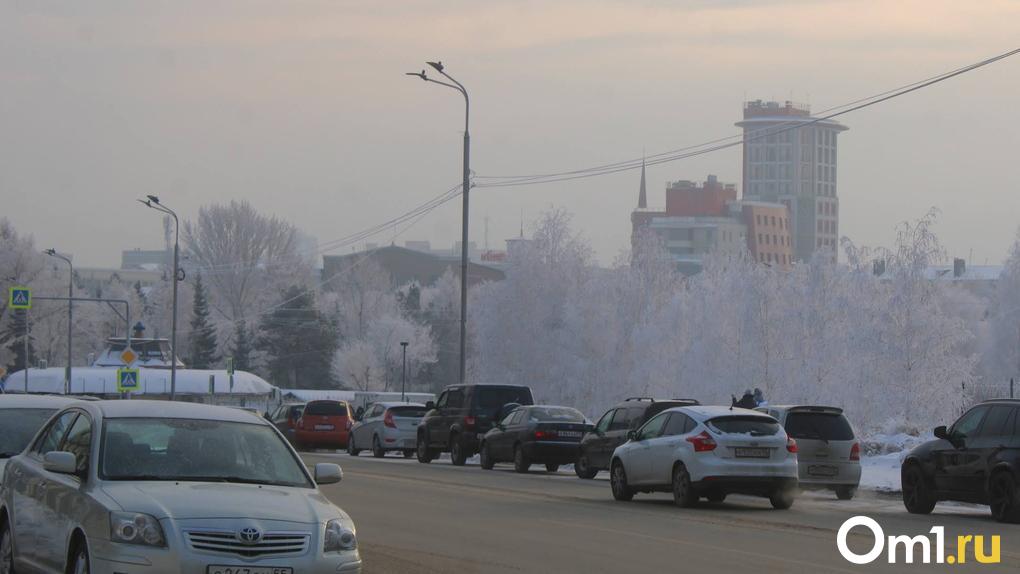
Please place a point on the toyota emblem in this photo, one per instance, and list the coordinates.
(249, 535)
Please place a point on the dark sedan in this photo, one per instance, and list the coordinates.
(540, 434)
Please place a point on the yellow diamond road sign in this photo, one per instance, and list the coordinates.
(128, 356)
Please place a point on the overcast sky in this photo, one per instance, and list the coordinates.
(303, 109)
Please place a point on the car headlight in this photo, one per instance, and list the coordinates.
(338, 537)
(136, 528)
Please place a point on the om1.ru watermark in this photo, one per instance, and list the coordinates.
(909, 545)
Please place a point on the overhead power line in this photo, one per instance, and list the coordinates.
(736, 139)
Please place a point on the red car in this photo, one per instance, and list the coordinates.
(324, 424)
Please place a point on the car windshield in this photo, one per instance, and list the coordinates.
(755, 426)
(818, 426)
(326, 409)
(18, 426)
(197, 450)
(408, 412)
(495, 398)
(555, 414)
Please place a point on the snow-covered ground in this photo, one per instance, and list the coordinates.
(883, 455)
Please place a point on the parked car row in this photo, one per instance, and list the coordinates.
(131, 486)
(696, 451)
(648, 445)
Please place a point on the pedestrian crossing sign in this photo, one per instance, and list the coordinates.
(21, 298)
(127, 380)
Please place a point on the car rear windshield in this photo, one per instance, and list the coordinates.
(326, 409)
(18, 426)
(408, 412)
(756, 426)
(818, 426)
(496, 397)
(555, 414)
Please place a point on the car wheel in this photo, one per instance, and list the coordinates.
(408, 453)
(458, 456)
(1004, 498)
(583, 469)
(80, 563)
(521, 462)
(782, 498)
(716, 496)
(485, 458)
(683, 491)
(845, 492)
(917, 497)
(425, 455)
(377, 449)
(618, 482)
(351, 449)
(6, 549)
(550, 467)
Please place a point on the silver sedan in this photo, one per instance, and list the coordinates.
(386, 427)
(160, 487)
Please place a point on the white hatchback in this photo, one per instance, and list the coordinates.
(164, 487)
(707, 451)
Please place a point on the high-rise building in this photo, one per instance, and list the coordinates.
(790, 158)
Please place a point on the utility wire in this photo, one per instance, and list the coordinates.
(724, 143)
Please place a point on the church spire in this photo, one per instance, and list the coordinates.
(642, 201)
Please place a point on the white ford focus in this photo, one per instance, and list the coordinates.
(704, 451)
(157, 487)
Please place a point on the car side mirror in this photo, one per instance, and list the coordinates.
(941, 432)
(431, 405)
(60, 461)
(632, 435)
(328, 473)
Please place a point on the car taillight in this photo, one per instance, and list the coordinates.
(469, 422)
(791, 445)
(545, 434)
(388, 420)
(702, 442)
(855, 451)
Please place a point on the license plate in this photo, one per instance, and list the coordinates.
(570, 434)
(248, 570)
(323, 427)
(822, 470)
(752, 452)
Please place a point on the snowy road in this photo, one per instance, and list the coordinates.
(415, 518)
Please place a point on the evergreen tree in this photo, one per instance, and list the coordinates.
(299, 343)
(14, 340)
(203, 336)
(242, 348)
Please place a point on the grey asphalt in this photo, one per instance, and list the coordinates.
(438, 518)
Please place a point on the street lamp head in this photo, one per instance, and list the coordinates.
(153, 199)
(145, 202)
(403, 343)
(437, 65)
(50, 251)
(420, 74)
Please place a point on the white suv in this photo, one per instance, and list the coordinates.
(162, 487)
(704, 451)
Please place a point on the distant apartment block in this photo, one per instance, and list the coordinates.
(701, 218)
(789, 157)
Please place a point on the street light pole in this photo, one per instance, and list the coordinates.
(403, 374)
(70, 306)
(153, 202)
(438, 66)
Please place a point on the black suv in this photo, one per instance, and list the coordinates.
(975, 460)
(462, 415)
(611, 431)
